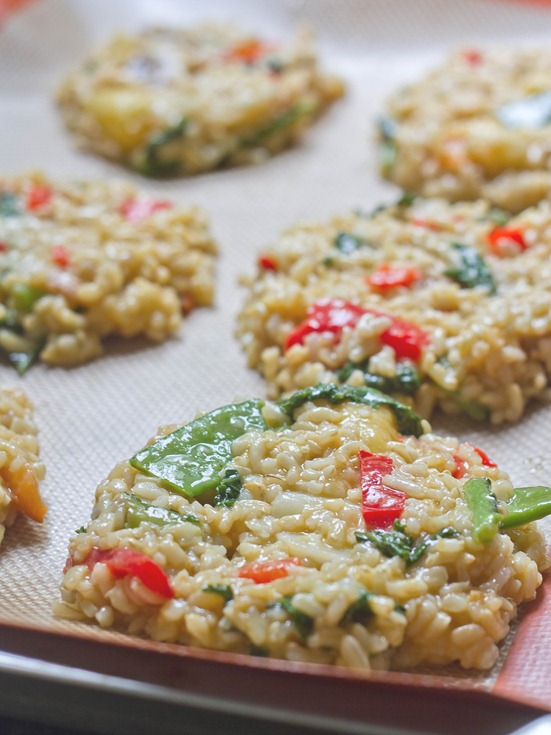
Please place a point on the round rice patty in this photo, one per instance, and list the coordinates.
(20, 466)
(478, 125)
(339, 601)
(486, 354)
(183, 101)
(85, 260)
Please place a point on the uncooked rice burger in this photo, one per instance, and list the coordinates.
(443, 305)
(173, 101)
(84, 260)
(20, 466)
(478, 125)
(327, 527)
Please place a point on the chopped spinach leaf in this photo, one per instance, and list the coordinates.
(302, 622)
(400, 543)
(407, 420)
(406, 199)
(286, 119)
(157, 160)
(82, 529)
(229, 488)
(405, 381)
(359, 611)
(471, 270)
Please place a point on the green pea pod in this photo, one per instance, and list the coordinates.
(483, 505)
(407, 420)
(526, 505)
(138, 512)
(193, 459)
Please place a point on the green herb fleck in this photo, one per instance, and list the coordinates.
(406, 200)
(498, 216)
(471, 270)
(388, 129)
(285, 120)
(229, 488)
(82, 529)
(158, 160)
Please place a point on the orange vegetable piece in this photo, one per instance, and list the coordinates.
(23, 486)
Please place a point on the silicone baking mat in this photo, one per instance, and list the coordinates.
(95, 415)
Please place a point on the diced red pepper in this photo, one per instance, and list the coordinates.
(500, 237)
(37, 196)
(267, 263)
(381, 505)
(462, 466)
(427, 224)
(127, 562)
(326, 315)
(61, 256)
(406, 339)
(333, 315)
(472, 56)
(248, 51)
(261, 572)
(389, 276)
(136, 210)
(3, 247)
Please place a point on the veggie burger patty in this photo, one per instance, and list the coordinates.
(181, 101)
(444, 305)
(476, 126)
(327, 527)
(84, 260)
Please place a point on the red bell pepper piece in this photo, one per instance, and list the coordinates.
(472, 56)
(326, 315)
(461, 466)
(381, 505)
(3, 247)
(389, 276)
(248, 51)
(333, 315)
(267, 263)
(37, 196)
(61, 256)
(499, 236)
(135, 210)
(127, 562)
(261, 572)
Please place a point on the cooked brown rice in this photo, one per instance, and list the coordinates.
(341, 600)
(181, 101)
(85, 260)
(480, 294)
(20, 467)
(476, 126)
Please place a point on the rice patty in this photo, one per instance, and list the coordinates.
(85, 260)
(468, 288)
(183, 101)
(277, 563)
(20, 466)
(478, 125)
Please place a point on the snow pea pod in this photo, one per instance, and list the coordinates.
(483, 505)
(526, 505)
(193, 459)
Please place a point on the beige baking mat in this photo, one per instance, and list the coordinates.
(93, 416)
